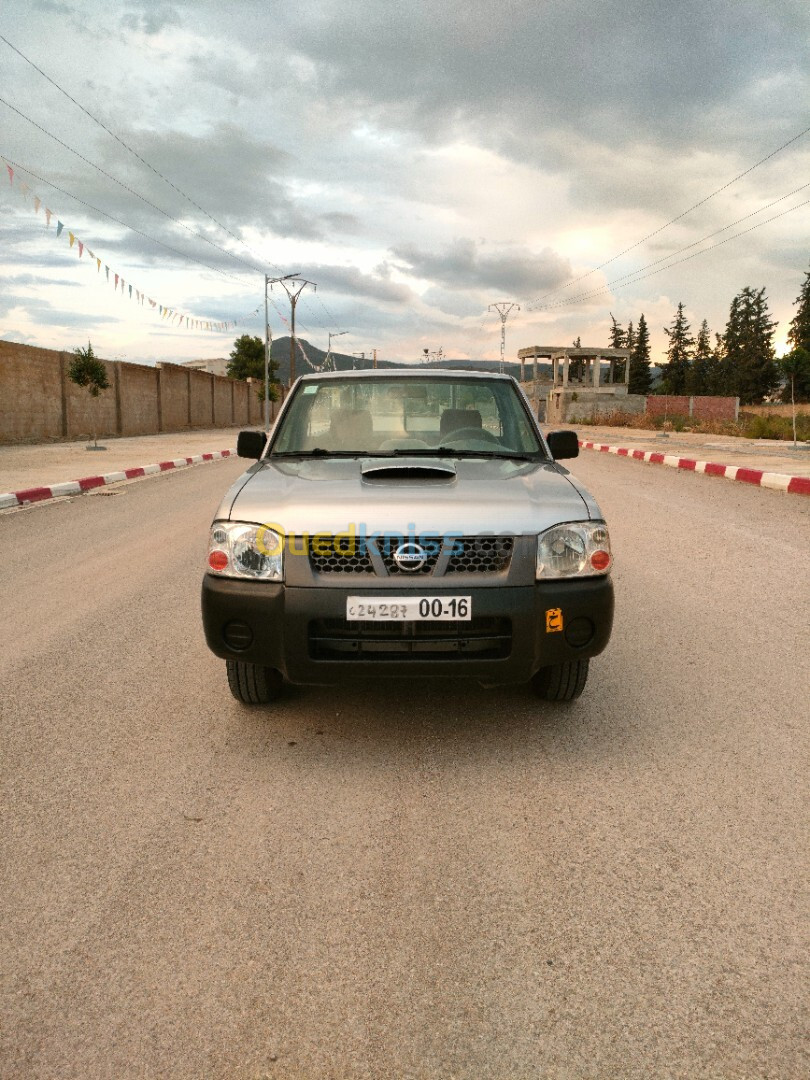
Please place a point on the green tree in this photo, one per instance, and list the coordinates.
(87, 370)
(720, 381)
(750, 365)
(247, 362)
(617, 335)
(799, 333)
(640, 377)
(795, 367)
(703, 376)
(679, 354)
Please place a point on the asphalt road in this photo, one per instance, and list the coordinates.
(406, 880)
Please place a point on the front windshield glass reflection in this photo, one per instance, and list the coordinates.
(406, 415)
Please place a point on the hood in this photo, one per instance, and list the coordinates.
(463, 496)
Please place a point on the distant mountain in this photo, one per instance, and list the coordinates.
(346, 362)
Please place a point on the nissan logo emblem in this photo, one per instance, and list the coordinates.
(410, 557)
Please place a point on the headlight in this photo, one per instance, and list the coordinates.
(576, 549)
(245, 551)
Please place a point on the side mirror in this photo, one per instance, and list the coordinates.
(563, 444)
(250, 444)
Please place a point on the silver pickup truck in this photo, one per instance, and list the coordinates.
(407, 522)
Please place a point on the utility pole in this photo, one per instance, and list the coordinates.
(293, 286)
(375, 357)
(338, 333)
(504, 308)
(268, 344)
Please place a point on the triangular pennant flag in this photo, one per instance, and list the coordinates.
(152, 302)
(10, 174)
(81, 248)
(90, 253)
(72, 238)
(130, 292)
(24, 188)
(98, 265)
(59, 227)
(48, 217)
(116, 281)
(107, 272)
(37, 204)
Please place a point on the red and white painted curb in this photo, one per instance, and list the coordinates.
(796, 485)
(78, 487)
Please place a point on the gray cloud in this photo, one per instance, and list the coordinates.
(149, 17)
(353, 282)
(465, 264)
(651, 69)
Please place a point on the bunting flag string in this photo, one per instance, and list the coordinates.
(191, 322)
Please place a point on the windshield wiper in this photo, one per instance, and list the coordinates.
(319, 451)
(449, 451)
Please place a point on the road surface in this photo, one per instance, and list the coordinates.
(406, 880)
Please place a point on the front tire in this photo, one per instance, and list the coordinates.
(252, 684)
(561, 682)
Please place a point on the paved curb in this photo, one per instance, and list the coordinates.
(78, 487)
(796, 485)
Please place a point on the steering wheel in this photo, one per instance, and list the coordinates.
(470, 434)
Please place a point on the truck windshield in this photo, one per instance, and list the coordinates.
(393, 415)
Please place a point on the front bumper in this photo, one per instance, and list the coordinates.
(302, 632)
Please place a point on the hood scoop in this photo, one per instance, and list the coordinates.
(405, 468)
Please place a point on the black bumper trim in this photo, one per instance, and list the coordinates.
(281, 620)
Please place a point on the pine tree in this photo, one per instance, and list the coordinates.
(702, 374)
(617, 335)
(750, 365)
(679, 355)
(640, 377)
(721, 380)
(796, 365)
(799, 333)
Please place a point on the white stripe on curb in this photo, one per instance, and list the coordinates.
(45, 492)
(798, 485)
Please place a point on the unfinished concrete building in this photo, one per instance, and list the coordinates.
(584, 382)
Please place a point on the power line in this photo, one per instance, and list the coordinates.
(694, 255)
(655, 232)
(672, 254)
(118, 221)
(126, 187)
(149, 166)
(135, 153)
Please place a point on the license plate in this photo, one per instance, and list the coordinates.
(409, 608)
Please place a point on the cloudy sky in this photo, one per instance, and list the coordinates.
(419, 162)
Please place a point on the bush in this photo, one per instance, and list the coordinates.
(749, 426)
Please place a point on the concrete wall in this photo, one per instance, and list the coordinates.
(575, 405)
(31, 398)
(139, 401)
(39, 402)
(174, 397)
